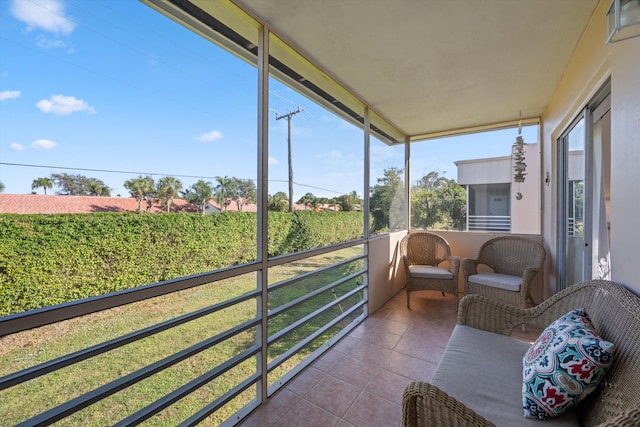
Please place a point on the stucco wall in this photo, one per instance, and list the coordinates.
(591, 64)
(386, 273)
(625, 162)
(587, 70)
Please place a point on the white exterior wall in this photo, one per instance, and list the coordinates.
(492, 170)
(526, 213)
(576, 165)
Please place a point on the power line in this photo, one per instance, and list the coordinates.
(156, 174)
(108, 170)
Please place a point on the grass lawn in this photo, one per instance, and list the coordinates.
(30, 348)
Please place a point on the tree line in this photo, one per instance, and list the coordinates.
(225, 191)
(436, 202)
(165, 190)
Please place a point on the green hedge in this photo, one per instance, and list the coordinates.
(50, 259)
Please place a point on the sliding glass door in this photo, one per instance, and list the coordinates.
(583, 195)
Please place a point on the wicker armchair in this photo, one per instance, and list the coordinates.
(422, 253)
(514, 262)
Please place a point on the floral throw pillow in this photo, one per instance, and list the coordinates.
(564, 365)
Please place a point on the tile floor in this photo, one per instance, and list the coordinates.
(359, 382)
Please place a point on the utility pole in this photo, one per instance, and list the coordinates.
(288, 116)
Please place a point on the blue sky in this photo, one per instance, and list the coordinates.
(90, 86)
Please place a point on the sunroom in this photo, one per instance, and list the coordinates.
(387, 82)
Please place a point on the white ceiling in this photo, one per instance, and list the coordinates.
(436, 65)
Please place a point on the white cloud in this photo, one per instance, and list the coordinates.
(335, 154)
(214, 135)
(62, 105)
(46, 43)
(16, 147)
(9, 94)
(273, 161)
(46, 15)
(44, 144)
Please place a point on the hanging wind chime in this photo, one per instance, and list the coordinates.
(519, 166)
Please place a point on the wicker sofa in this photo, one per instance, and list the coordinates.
(479, 379)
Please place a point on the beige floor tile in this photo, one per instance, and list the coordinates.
(305, 381)
(353, 371)
(269, 413)
(306, 414)
(370, 354)
(405, 365)
(328, 360)
(370, 410)
(388, 385)
(334, 395)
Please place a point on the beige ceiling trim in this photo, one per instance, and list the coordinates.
(394, 135)
(476, 129)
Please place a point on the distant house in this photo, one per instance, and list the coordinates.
(232, 206)
(52, 204)
(49, 204)
(495, 202)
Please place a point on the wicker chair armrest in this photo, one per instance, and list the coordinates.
(424, 404)
(630, 418)
(406, 262)
(529, 273)
(484, 313)
(454, 264)
(527, 278)
(469, 267)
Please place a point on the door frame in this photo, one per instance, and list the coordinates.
(587, 113)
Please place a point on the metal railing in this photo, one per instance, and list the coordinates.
(490, 223)
(333, 316)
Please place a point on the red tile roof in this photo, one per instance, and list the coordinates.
(51, 204)
(41, 204)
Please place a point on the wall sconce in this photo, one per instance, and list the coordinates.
(623, 19)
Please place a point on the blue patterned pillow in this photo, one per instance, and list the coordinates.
(564, 365)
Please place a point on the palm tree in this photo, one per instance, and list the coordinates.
(199, 194)
(1, 187)
(245, 192)
(278, 202)
(310, 201)
(42, 182)
(98, 188)
(140, 188)
(224, 190)
(168, 187)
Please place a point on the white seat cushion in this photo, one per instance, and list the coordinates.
(429, 272)
(497, 280)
